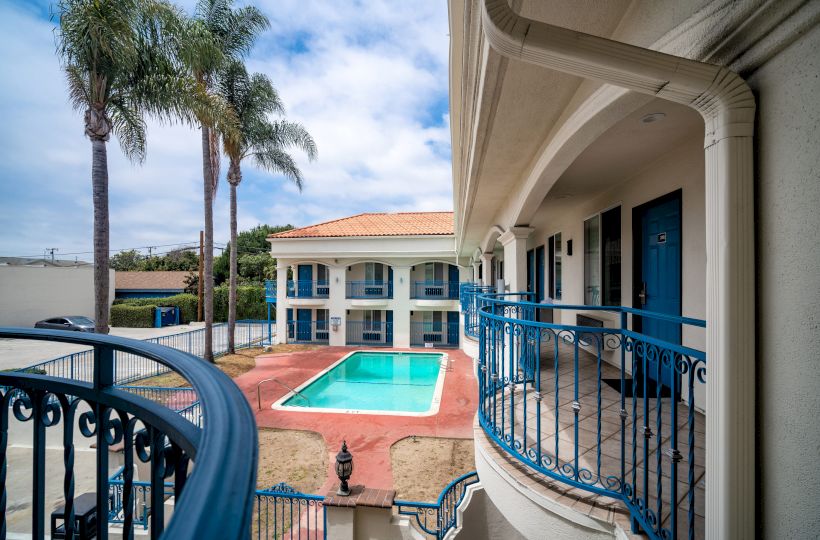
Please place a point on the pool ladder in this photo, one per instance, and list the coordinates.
(280, 383)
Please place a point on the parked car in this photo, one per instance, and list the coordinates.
(71, 322)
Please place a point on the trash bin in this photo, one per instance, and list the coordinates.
(166, 316)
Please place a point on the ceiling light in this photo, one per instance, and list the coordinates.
(653, 117)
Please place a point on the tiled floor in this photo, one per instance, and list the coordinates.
(600, 462)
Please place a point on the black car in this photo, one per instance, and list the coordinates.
(70, 322)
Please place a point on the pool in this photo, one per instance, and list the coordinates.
(373, 382)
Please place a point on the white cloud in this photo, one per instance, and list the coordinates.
(368, 80)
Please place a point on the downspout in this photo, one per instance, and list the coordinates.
(727, 106)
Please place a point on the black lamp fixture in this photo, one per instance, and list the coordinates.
(344, 467)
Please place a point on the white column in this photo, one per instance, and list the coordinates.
(281, 301)
(487, 269)
(476, 266)
(336, 304)
(515, 257)
(401, 306)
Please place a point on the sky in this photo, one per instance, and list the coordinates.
(367, 78)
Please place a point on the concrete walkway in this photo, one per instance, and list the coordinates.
(369, 437)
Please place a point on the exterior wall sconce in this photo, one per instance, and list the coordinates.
(344, 468)
(337, 279)
(569, 248)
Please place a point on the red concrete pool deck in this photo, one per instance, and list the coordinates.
(369, 436)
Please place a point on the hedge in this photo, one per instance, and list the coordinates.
(250, 303)
(132, 316)
(187, 304)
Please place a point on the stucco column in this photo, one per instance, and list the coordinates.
(487, 269)
(281, 301)
(515, 257)
(336, 304)
(401, 306)
(476, 266)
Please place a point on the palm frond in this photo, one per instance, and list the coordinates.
(276, 160)
(129, 127)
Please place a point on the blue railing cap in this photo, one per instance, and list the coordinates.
(210, 506)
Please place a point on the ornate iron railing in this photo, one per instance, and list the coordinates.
(283, 512)
(469, 298)
(369, 289)
(435, 290)
(140, 498)
(129, 368)
(306, 288)
(369, 333)
(436, 519)
(611, 411)
(205, 505)
(317, 332)
(434, 334)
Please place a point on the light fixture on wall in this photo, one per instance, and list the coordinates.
(653, 117)
(569, 248)
(337, 279)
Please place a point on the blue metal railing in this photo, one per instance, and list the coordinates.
(369, 289)
(140, 499)
(543, 386)
(375, 334)
(317, 332)
(435, 290)
(306, 288)
(283, 512)
(436, 334)
(182, 400)
(228, 448)
(436, 519)
(129, 368)
(469, 297)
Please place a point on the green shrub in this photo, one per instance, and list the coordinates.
(250, 302)
(187, 304)
(132, 316)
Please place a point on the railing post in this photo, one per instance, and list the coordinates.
(103, 378)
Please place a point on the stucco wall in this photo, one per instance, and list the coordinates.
(30, 294)
(788, 290)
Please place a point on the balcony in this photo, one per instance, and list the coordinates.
(308, 332)
(435, 290)
(94, 407)
(305, 288)
(370, 333)
(369, 289)
(605, 416)
(434, 334)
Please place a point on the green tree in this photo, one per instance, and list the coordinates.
(127, 261)
(262, 140)
(120, 62)
(233, 32)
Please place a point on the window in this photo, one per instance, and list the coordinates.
(554, 265)
(321, 273)
(434, 272)
(372, 320)
(602, 259)
(373, 272)
(432, 321)
(321, 319)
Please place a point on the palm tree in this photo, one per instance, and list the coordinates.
(233, 31)
(120, 63)
(261, 139)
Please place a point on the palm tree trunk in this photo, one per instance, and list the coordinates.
(232, 278)
(208, 263)
(99, 186)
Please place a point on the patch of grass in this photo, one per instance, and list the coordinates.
(298, 458)
(233, 365)
(442, 460)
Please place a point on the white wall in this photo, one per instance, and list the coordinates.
(787, 194)
(29, 294)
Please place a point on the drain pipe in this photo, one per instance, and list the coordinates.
(727, 106)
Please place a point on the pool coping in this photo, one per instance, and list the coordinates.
(435, 402)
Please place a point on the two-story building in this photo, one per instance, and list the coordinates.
(375, 279)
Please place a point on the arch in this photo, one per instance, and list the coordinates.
(488, 244)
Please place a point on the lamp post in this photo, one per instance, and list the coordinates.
(344, 467)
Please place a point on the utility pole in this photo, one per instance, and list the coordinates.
(150, 251)
(201, 277)
(52, 250)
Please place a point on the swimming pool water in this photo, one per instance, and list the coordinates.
(375, 381)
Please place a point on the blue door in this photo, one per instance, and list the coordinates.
(303, 324)
(304, 283)
(452, 277)
(660, 279)
(389, 327)
(539, 274)
(290, 323)
(452, 328)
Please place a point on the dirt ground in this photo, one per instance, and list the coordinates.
(232, 365)
(423, 466)
(298, 458)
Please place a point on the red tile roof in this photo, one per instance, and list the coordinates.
(378, 224)
(154, 281)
